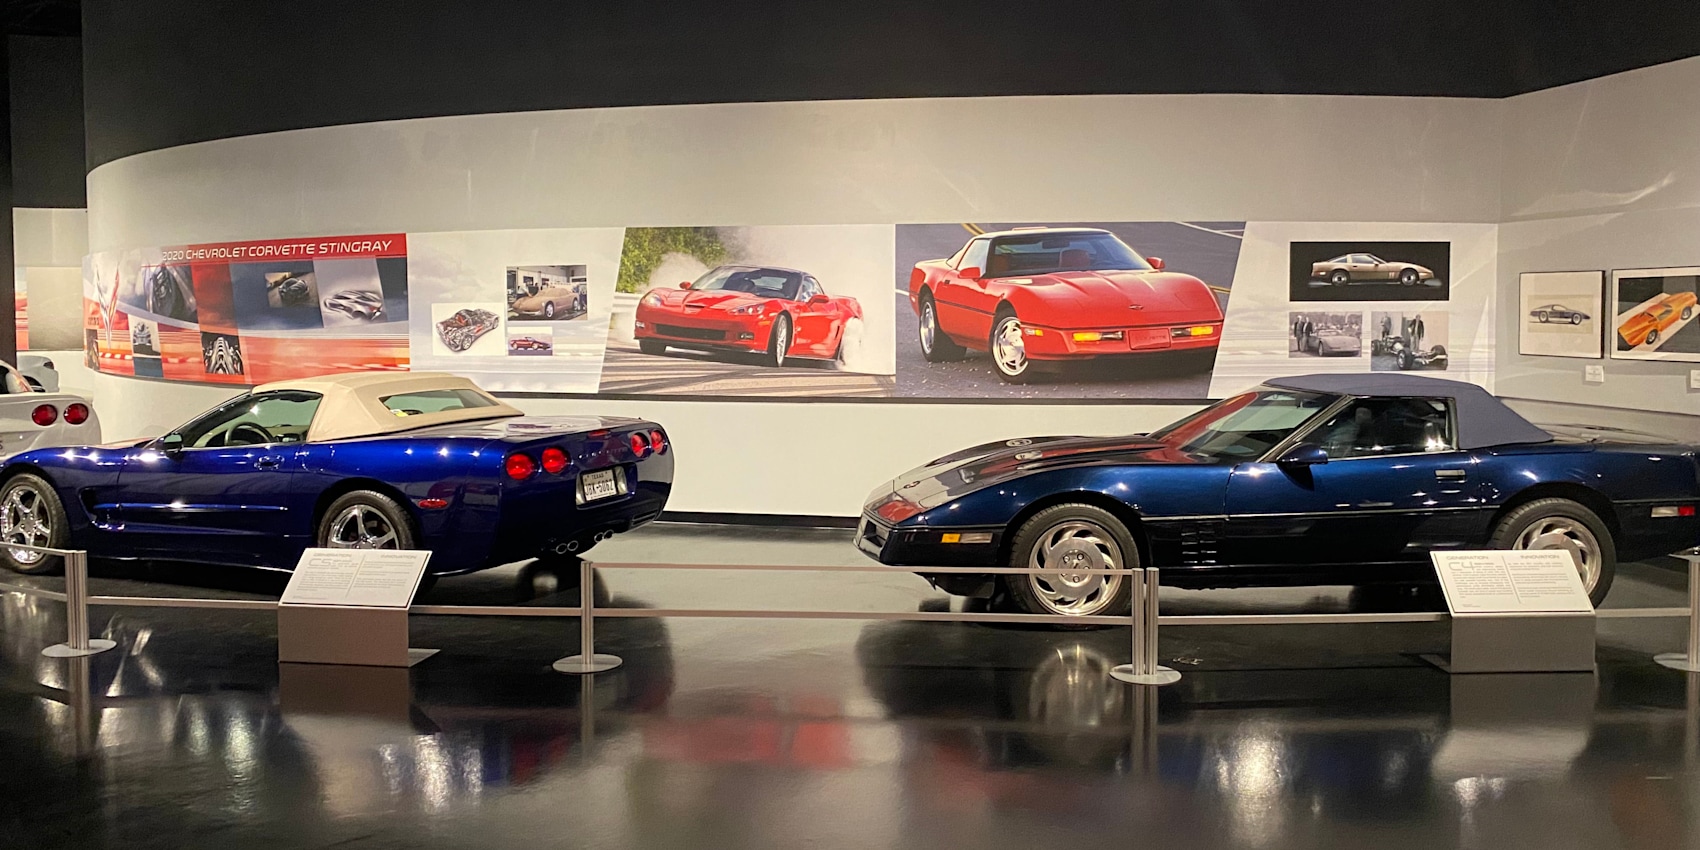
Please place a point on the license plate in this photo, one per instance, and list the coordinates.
(598, 485)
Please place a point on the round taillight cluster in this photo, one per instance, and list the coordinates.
(520, 466)
(640, 444)
(554, 460)
(658, 441)
(76, 414)
(44, 415)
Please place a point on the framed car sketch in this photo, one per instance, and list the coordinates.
(1653, 314)
(1559, 314)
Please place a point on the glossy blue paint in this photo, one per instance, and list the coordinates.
(261, 505)
(1258, 521)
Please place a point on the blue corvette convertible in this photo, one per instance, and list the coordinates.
(1321, 479)
(364, 460)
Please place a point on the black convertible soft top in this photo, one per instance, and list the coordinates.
(1483, 420)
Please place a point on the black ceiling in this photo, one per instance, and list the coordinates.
(167, 72)
(43, 17)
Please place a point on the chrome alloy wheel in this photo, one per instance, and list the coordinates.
(362, 527)
(929, 325)
(24, 519)
(1069, 548)
(1561, 532)
(1009, 350)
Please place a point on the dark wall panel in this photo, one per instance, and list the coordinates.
(46, 86)
(169, 72)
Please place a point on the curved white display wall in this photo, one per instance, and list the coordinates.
(1230, 190)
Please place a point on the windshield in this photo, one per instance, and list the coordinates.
(767, 283)
(1043, 253)
(1246, 426)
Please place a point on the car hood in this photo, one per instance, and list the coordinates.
(706, 299)
(982, 466)
(1157, 297)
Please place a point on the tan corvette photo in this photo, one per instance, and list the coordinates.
(549, 293)
(1366, 268)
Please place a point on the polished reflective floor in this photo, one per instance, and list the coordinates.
(720, 733)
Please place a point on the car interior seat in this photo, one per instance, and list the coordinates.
(997, 264)
(1074, 259)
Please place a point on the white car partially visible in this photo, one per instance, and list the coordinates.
(31, 419)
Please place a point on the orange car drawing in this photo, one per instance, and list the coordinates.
(1645, 327)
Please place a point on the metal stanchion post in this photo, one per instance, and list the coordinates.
(1690, 660)
(77, 641)
(587, 661)
(1145, 670)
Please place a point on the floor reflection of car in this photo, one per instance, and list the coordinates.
(1054, 295)
(1368, 268)
(357, 304)
(1646, 327)
(1557, 314)
(1319, 479)
(371, 460)
(779, 314)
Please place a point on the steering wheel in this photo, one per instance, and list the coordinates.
(236, 436)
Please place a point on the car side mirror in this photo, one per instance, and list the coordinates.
(819, 298)
(171, 444)
(1304, 454)
(1156, 263)
(685, 285)
(969, 273)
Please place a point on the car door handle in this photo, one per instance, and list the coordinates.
(268, 463)
(1451, 474)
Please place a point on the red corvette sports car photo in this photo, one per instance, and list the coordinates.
(1058, 294)
(779, 314)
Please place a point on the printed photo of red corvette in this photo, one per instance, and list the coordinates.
(1056, 296)
(777, 314)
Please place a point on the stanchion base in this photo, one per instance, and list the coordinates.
(1677, 661)
(65, 650)
(594, 664)
(1163, 676)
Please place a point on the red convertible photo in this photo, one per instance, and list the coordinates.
(779, 314)
(1058, 294)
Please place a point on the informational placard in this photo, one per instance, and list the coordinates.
(366, 578)
(1511, 582)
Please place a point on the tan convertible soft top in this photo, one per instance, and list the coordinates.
(352, 403)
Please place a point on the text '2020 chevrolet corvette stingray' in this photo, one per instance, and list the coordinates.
(1044, 294)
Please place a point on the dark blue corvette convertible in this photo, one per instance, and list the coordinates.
(1321, 479)
(364, 460)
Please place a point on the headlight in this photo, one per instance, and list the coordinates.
(752, 310)
(653, 299)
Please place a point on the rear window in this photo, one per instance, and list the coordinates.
(434, 401)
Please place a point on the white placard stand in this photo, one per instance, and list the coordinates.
(349, 606)
(1516, 612)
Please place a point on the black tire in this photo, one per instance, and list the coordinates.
(548, 309)
(35, 500)
(1541, 317)
(1408, 277)
(1340, 277)
(1652, 337)
(943, 348)
(1546, 520)
(1011, 374)
(341, 529)
(1687, 313)
(779, 341)
(1116, 545)
(652, 346)
(1576, 318)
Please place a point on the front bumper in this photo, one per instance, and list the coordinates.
(1044, 343)
(706, 328)
(935, 547)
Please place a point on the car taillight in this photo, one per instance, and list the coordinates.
(520, 466)
(640, 444)
(658, 441)
(554, 460)
(76, 414)
(44, 415)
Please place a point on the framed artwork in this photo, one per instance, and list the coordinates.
(1653, 314)
(1560, 314)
